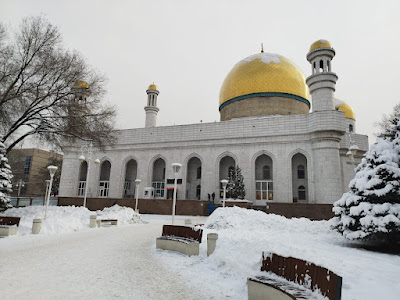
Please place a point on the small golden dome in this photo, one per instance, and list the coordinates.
(152, 87)
(81, 84)
(343, 106)
(320, 44)
(264, 73)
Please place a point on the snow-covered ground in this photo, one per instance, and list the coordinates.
(69, 260)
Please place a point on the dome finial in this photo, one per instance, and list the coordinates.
(262, 48)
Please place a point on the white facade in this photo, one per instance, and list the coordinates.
(283, 158)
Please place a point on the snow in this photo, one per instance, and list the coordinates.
(69, 260)
(266, 58)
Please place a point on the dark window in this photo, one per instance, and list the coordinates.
(321, 65)
(350, 128)
(300, 172)
(198, 190)
(163, 174)
(27, 168)
(302, 193)
(199, 173)
(266, 172)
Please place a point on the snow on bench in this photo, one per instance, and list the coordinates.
(182, 239)
(292, 278)
(8, 225)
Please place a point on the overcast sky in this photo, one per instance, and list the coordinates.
(188, 47)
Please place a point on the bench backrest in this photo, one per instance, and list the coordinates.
(304, 273)
(9, 220)
(183, 231)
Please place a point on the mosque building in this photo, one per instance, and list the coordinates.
(290, 147)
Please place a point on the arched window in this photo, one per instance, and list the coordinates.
(198, 191)
(266, 172)
(329, 65)
(321, 65)
(199, 173)
(314, 67)
(300, 172)
(302, 192)
(351, 128)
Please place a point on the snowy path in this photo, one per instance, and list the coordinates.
(81, 265)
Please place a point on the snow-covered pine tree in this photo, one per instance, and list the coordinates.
(235, 187)
(371, 209)
(5, 179)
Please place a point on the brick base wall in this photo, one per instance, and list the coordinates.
(298, 210)
(145, 206)
(200, 207)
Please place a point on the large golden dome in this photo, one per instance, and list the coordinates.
(266, 75)
(344, 107)
(81, 84)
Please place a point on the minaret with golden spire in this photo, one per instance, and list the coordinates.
(151, 108)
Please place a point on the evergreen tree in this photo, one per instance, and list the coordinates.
(5, 179)
(235, 187)
(371, 209)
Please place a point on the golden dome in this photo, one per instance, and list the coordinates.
(264, 74)
(152, 87)
(81, 84)
(320, 44)
(343, 106)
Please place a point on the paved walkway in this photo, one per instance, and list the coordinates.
(115, 262)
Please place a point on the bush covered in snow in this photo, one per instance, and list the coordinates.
(5, 179)
(371, 209)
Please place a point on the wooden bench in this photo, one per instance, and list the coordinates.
(182, 239)
(110, 221)
(9, 225)
(298, 279)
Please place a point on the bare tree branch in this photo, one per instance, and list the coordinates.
(37, 93)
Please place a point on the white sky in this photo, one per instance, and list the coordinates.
(188, 47)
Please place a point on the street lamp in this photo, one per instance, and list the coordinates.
(47, 182)
(52, 171)
(224, 183)
(20, 185)
(353, 148)
(176, 167)
(137, 181)
(89, 150)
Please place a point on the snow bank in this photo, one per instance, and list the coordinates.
(62, 219)
(244, 234)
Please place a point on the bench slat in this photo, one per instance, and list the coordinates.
(182, 231)
(304, 273)
(9, 220)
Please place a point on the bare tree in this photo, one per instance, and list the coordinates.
(37, 76)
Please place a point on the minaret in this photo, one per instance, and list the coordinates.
(151, 108)
(322, 82)
(81, 90)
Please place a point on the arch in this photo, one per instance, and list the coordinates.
(263, 177)
(130, 175)
(82, 175)
(150, 167)
(158, 176)
(193, 180)
(299, 177)
(104, 179)
(321, 65)
(225, 161)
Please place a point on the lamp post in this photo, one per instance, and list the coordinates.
(176, 167)
(47, 182)
(224, 183)
(20, 185)
(52, 171)
(82, 158)
(137, 181)
(353, 148)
